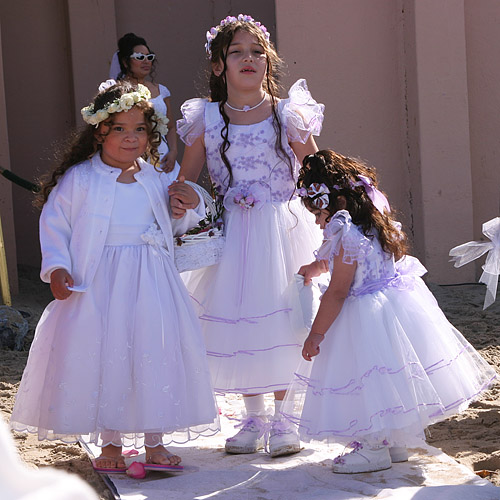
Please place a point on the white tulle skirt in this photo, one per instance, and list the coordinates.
(122, 359)
(252, 343)
(390, 365)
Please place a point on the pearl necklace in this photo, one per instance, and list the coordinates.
(246, 108)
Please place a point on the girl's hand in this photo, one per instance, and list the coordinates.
(182, 197)
(168, 161)
(60, 279)
(312, 270)
(311, 345)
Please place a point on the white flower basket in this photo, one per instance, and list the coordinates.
(194, 251)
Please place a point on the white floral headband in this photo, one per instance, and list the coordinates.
(231, 19)
(123, 103)
(319, 194)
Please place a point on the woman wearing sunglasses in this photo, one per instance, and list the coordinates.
(135, 62)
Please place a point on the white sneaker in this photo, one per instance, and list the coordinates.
(250, 438)
(398, 454)
(362, 459)
(283, 439)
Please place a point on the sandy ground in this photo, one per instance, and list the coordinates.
(472, 438)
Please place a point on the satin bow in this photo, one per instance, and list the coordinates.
(377, 198)
(463, 254)
(319, 193)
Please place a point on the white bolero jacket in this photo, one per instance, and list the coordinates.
(75, 219)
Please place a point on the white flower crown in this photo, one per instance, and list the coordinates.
(123, 103)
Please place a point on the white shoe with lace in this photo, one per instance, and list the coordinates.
(250, 437)
(362, 459)
(283, 439)
(398, 454)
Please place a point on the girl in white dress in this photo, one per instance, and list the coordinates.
(252, 142)
(135, 62)
(118, 358)
(390, 362)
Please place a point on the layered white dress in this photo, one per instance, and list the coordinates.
(246, 317)
(391, 363)
(126, 356)
(158, 103)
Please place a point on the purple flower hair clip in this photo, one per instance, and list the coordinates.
(214, 31)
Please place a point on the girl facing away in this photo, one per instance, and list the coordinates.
(135, 62)
(118, 358)
(252, 142)
(389, 362)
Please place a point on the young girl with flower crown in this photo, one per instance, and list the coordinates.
(118, 358)
(252, 141)
(389, 362)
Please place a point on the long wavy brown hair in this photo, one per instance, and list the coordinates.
(339, 173)
(82, 145)
(218, 84)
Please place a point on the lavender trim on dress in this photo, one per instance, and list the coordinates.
(397, 410)
(383, 370)
(253, 390)
(459, 402)
(442, 412)
(250, 352)
(433, 368)
(399, 281)
(229, 321)
(249, 319)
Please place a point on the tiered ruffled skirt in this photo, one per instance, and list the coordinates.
(390, 365)
(252, 342)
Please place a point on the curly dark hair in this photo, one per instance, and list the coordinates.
(126, 46)
(218, 84)
(82, 145)
(340, 174)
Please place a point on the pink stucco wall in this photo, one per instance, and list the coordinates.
(38, 90)
(483, 76)
(407, 86)
(410, 86)
(56, 52)
(349, 52)
(6, 204)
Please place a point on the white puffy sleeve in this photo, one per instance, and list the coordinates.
(164, 92)
(55, 228)
(302, 115)
(192, 123)
(339, 233)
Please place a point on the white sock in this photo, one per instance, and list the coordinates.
(278, 403)
(255, 405)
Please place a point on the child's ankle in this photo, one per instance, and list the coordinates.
(112, 450)
(254, 406)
